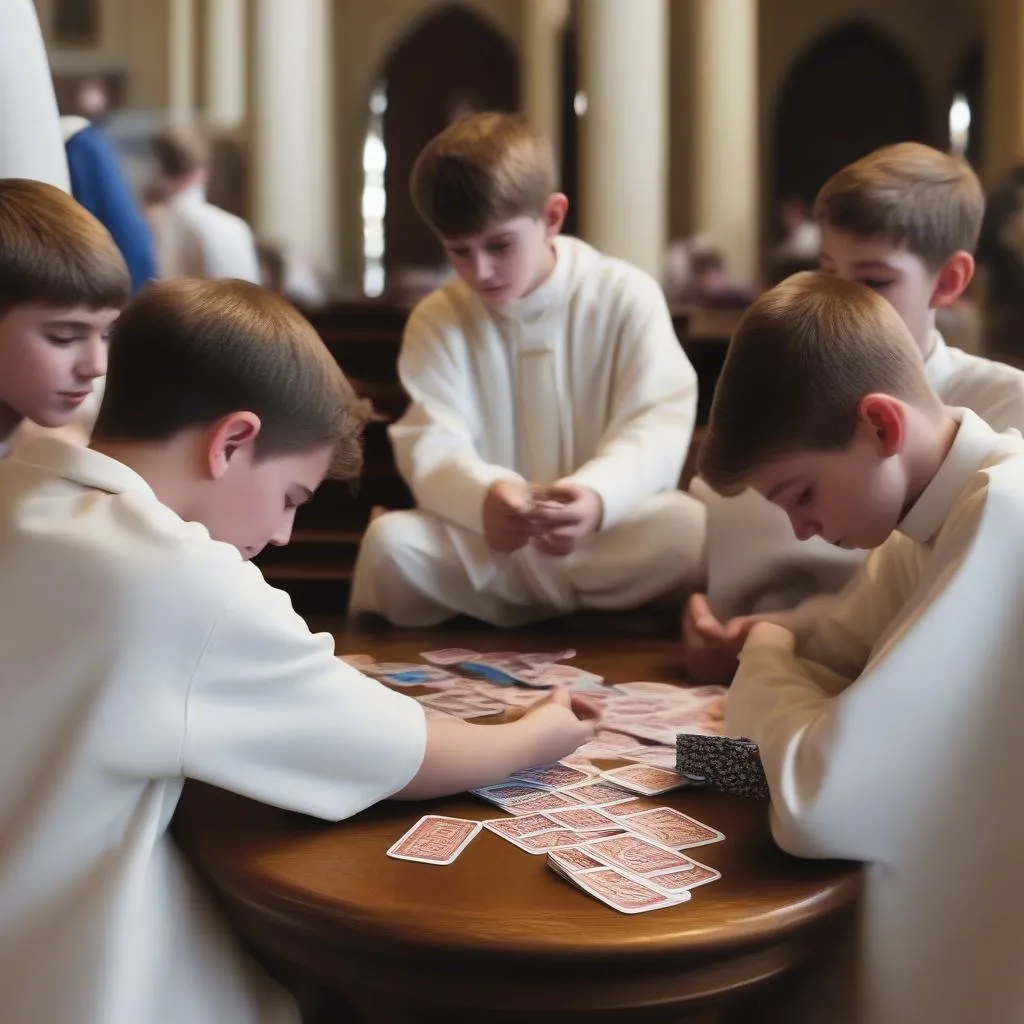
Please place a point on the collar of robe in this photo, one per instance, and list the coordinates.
(974, 442)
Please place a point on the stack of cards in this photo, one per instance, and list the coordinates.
(630, 874)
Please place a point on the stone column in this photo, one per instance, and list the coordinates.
(623, 163)
(225, 64)
(540, 67)
(1003, 142)
(182, 61)
(725, 147)
(293, 142)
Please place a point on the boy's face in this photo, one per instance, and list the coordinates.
(253, 503)
(853, 498)
(49, 358)
(508, 259)
(900, 277)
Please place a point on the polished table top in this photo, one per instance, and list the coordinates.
(326, 896)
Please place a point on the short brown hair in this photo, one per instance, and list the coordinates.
(480, 170)
(802, 358)
(54, 252)
(179, 152)
(186, 352)
(909, 194)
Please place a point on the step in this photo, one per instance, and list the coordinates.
(315, 547)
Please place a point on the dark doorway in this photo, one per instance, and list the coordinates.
(451, 64)
(851, 92)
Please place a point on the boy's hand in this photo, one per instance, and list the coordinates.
(564, 515)
(506, 515)
(564, 721)
(710, 647)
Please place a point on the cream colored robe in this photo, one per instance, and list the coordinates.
(582, 379)
(892, 736)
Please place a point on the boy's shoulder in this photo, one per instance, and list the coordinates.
(993, 390)
(103, 523)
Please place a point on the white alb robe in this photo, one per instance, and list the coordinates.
(194, 238)
(583, 379)
(892, 736)
(754, 561)
(138, 652)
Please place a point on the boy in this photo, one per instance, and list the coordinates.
(551, 407)
(62, 284)
(140, 648)
(903, 220)
(890, 733)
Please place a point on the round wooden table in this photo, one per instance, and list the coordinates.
(499, 937)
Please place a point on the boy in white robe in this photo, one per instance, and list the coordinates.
(62, 284)
(903, 220)
(889, 732)
(140, 647)
(551, 408)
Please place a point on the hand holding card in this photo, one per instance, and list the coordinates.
(563, 515)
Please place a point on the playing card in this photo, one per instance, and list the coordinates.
(593, 793)
(551, 775)
(448, 655)
(505, 794)
(638, 855)
(433, 713)
(689, 878)
(672, 828)
(415, 675)
(572, 859)
(656, 756)
(516, 828)
(653, 689)
(623, 892)
(435, 840)
(490, 673)
(630, 806)
(461, 707)
(583, 819)
(541, 842)
(560, 675)
(546, 801)
(644, 779)
(535, 660)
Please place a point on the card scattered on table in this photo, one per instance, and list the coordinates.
(435, 839)
(644, 779)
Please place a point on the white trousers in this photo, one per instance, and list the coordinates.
(416, 569)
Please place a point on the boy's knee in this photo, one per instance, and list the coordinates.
(393, 534)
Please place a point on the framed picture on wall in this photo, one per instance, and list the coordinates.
(76, 22)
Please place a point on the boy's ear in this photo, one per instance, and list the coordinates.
(229, 439)
(952, 279)
(881, 419)
(555, 208)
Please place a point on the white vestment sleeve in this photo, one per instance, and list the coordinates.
(274, 715)
(654, 405)
(831, 760)
(434, 441)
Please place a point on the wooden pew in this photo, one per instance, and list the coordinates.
(364, 337)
